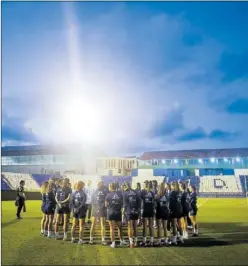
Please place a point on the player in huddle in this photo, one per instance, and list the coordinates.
(148, 205)
(114, 204)
(43, 231)
(99, 211)
(185, 205)
(176, 212)
(132, 208)
(49, 209)
(78, 205)
(63, 209)
(162, 213)
(193, 209)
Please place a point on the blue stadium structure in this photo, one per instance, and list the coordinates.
(222, 172)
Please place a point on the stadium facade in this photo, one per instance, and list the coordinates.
(223, 171)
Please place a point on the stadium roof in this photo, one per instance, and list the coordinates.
(192, 154)
(49, 150)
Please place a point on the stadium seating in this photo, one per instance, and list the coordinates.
(244, 183)
(41, 178)
(220, 185)
(14, 181)
(4, 183)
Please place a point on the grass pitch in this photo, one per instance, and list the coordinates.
(223, 240)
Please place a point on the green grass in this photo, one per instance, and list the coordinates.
(223, 238)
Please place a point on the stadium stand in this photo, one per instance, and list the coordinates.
(41, 178)
(244, 183)
(14, 180)
(4, 183)
(220, 185)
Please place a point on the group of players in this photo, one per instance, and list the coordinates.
(167, 207)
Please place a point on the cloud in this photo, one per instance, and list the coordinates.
(234, 66)
(221, 135)
(132, 69)
(238, 106)
(171, 121)
(15, 131)
(196, 134)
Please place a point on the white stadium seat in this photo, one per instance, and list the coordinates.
(227, 184)
(14, 181)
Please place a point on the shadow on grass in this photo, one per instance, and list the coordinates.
(14, 221)
(224, 227)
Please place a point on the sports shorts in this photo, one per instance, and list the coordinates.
(113, 216)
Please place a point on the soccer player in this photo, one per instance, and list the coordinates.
(138, 190)
(58, 185)
(20, 199)
(155, 191)
(124, 188)
(99, 212)
(132, 206)
(176, 212)
(114, 203)
(89, 192)
(162, 213)
(193, 210)
(148, 211)
(63, 201)
(43, 203)
(78, 204)
(185, 205)
(49, 209)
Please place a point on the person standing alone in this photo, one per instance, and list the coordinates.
(20, 199)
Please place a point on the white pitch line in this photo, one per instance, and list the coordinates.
(203, 203)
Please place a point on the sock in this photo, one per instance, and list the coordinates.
(103, 239)
(131, 240)
(49, 233)
(45, 232)
(113, 242)
(91, 238)
(166, 240)
(174, 239)
(72, 238)
(135, 239)
(144, 239)
(194, 230)
(65, 234)
(42, 231)
(152, 239)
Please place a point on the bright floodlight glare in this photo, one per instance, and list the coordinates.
(175, 161)
(163, 161)
(82, 120)
(212, 160)
(200, 160)
(225, 160)
(238, 159)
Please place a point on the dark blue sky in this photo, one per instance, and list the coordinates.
(127, 76)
